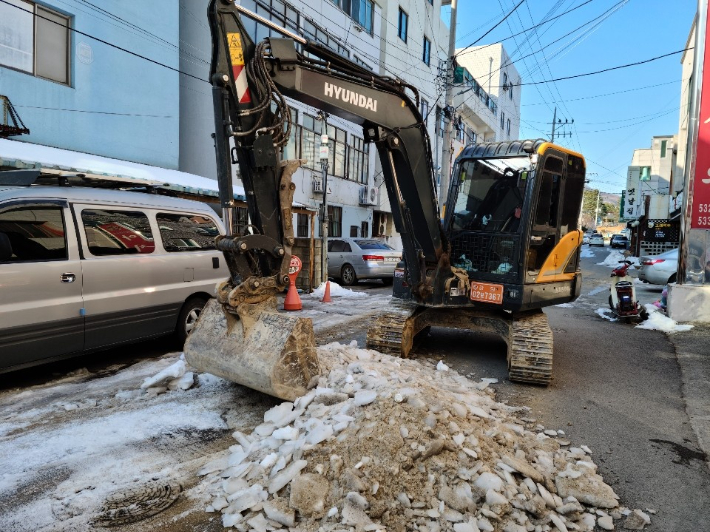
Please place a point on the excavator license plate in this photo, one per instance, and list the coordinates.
(487, 293)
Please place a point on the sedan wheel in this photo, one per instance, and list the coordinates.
(347, 275)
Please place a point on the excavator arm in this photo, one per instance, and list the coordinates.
(249, 84)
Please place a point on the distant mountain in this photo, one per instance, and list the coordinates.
(608, 197)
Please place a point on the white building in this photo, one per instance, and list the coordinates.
(493, 69)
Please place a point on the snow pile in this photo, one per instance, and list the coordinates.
(660, 322)
(336, 291)
(614, 257)
(390, 444)
(586, 253)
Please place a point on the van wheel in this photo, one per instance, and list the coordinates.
(672, 278)
(188, 317)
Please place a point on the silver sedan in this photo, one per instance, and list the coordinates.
(351, 259)
(659, 269)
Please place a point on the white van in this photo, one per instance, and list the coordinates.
(84, 269)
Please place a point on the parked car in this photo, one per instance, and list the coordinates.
(596, 240)
(585, 238)
(659, 269)
(351, 259)
(85, 269)
(619, 241)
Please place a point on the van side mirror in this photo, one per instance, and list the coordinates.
(5, 248)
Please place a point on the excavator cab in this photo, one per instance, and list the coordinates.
(512, 220)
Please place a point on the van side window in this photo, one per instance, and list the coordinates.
(117, 232)
(33, 233)
(187, 232)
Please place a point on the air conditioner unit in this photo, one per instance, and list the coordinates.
(368, 195)
(318, 185)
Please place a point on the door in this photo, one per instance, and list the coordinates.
(124, 273)
(40, 283)
(335, 257)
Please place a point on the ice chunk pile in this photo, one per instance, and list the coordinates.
(389, 444)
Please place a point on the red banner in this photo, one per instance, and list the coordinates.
(700, 200)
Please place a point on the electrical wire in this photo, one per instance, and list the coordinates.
(494, 27)
(93, 112)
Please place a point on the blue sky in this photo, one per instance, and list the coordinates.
(607, 128)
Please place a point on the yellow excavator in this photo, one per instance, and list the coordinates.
(507, 247)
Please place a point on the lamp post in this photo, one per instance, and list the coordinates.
(323, 155)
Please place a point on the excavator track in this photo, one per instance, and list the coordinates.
(530, 349)
(392, 331)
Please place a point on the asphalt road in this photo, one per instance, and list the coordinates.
(617, 389)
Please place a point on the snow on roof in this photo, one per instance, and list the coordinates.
(26, 155)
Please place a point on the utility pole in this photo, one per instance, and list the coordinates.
(596, 211)
(559, 123)
(446, 152)
(323, 154)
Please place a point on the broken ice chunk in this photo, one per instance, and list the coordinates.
(441, 366)
(320, 432)
(365, 397)
(286, 433)
(487, 481)
(286, 476)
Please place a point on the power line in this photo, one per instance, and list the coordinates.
(494, 27)
(93, 112)
(36, 15)
(528, 29)
(593, 96)
(619, 67)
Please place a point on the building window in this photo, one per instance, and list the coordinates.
(353, 231)
(440, 122)
(360, 11)
(336, 151)
(358, 159)
(35, 40)
(507, 127)
(431, 2)
(110, 232)
(505, 79)
(510, 90)
(365, 230)
(335, 221)
(403, 21)
(302, 225)
(426, 55)
(664, 143)
(424, 110)
(186, 232)
(310, 141)
(502, 119)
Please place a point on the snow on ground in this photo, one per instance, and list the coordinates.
(598, 290)
(613, 258)
(660, 322)
(606, 314)
(336, 291)
(586, 253)
(68, 445)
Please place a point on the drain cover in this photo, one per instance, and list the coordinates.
(137, 503)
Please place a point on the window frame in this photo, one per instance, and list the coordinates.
(426, 51)
(84, 238)
(30, 203)
(402, 29)
(33, 10)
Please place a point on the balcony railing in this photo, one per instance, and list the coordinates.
(11, 124)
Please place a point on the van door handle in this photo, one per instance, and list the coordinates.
(68, 277)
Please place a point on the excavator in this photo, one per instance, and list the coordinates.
(508, 244)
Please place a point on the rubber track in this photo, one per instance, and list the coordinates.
(386, 333)
(530, 350)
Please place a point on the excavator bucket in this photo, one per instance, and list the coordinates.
(259, 348)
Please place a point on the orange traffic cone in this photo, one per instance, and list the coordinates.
(292, 301)
(326, 294)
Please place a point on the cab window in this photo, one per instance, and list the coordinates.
(32, 234)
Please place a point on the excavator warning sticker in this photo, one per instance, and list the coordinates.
(487, 293)
(236, 55)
